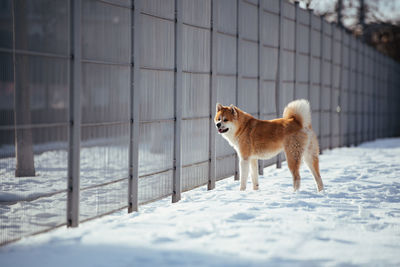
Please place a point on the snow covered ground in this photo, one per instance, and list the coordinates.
(356, 221)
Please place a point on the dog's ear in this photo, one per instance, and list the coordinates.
(218, 107)
(234, 110)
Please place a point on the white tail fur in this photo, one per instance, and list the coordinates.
(300, 109)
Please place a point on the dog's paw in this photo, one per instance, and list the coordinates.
(296, 185)
(242, 188)
(255, 187)
(320, 189)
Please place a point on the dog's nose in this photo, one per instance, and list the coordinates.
(218, 124)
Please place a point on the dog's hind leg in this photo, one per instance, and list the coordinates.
(254, 173)
(244, 173)
(312, 162)
(294, 148)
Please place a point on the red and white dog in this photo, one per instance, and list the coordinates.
(255, 139)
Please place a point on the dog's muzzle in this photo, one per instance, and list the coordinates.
(221, 130)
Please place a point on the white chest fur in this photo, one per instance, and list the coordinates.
(230, 137)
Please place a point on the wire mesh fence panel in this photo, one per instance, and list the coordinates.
(326, 84)
(33, 117)
(248, 57)
(225, 26)
(268, 60)
(105, 108)
(344, 89)
(315, 75)
(336, 73)
(196, 49)
(156, 86)
(359, 90)
(353, 93)
(368, 105)
(287, 60)
(302, 54)
(288, 43)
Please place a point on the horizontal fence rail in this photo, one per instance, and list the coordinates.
(107, 105)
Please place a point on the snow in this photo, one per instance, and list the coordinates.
(355, 221)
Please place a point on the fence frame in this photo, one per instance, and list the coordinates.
(74, 115)
(133, 187)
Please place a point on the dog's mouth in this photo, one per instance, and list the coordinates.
(221, 131)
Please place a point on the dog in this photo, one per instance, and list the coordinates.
(255, 139)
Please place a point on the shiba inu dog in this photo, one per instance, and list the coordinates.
(255, 139)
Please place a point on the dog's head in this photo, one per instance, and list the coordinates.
(225, 118)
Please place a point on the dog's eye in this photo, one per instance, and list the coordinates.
(225, 120)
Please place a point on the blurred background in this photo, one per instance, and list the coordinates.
(376, 22)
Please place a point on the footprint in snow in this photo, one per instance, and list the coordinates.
(241, 216)
(197, 233)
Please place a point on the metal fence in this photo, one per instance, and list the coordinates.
(110, 102)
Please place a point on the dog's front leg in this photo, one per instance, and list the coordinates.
(254, 173)
(244, 173)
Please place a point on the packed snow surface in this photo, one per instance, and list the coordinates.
(355, 221)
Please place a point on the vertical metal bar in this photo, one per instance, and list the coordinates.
(361, 91)
(332, 88)
(368, 97)
(349, 97)
(213, 94)
(310, 30)
(74, 114)
(340, 85)
(134, 108)
(321, 83)
(176, 184)
(238, 75)
(259, 85)
(296, 49)
(378, 95)
(386, 103)
(356, 90)
(366, 107)
(373, 91)
(374, 96)
(279, 74)
(381, 91)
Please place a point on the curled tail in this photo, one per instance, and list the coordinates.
(299, 110)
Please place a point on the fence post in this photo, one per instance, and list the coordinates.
(361, 90)
(279, 74)
(369, 96)
(134, 109)
(374, 96)
(387, 100)
(238, 75)
(341, 66)
(373, 93)
(310, 30)
(353, 77)
(176, 184)
(259, 66)
(296, 49)
(321, 84)
(356, 90)
(347, 134)
(332, 25)
(213, 94)
(74, 115)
